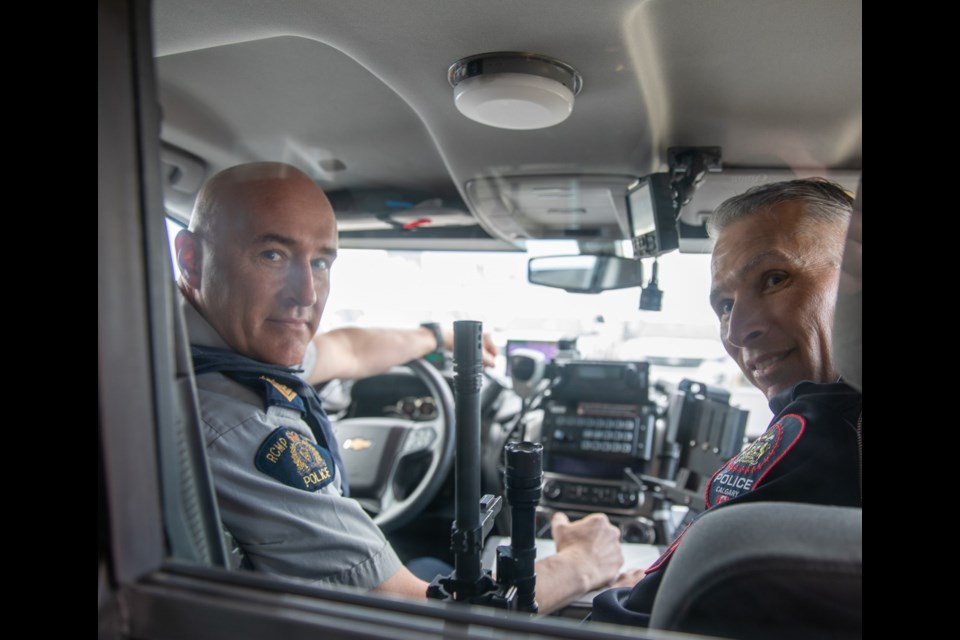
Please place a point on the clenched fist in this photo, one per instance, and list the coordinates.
(594, 541)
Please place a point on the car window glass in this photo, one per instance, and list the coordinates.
(379, 288)
(432, 209)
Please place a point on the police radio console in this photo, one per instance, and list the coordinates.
(599, 422)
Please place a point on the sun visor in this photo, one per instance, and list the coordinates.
(571, 207)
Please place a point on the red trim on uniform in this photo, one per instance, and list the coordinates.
(803, 426)
(778, 438)
(666, 554)
(729, 465)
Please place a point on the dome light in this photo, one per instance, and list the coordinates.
(514, 90)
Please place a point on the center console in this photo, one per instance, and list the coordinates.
(602, 433)
(598, 436)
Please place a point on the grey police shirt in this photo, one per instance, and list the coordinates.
(318, 535)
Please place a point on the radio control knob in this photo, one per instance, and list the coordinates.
(552, 490)
(626, 498)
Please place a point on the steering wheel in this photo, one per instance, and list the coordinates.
(381, 455)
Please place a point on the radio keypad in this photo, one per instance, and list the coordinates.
(599, 434)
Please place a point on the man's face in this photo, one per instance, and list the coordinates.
(266, 276)
(774, 290)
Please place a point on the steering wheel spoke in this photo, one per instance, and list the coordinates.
(375, 451)
(388, 500)
(421, 437)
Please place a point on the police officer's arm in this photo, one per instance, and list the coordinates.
(588, 557)
(354, 353)
(404, 583)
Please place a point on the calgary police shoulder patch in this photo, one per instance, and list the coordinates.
(747, 470)
(295, 461)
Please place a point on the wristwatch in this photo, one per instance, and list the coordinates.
(437, 334)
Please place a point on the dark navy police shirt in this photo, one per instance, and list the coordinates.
(808, 454)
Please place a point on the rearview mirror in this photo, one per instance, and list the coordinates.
(585, 273)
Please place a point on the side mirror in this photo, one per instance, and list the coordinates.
(585, 273)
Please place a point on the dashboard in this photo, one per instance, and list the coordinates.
(395, 394)
(612, 442)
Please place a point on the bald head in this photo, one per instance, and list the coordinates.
(237, 190)
(255, 259)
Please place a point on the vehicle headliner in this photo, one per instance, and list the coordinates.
(778, 85)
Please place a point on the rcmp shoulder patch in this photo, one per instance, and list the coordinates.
(747, 470)
(282, 395)
(295, 461)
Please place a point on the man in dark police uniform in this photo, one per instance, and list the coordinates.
(775, 269)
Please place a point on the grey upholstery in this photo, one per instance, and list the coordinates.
(192, 518)
(767, 570)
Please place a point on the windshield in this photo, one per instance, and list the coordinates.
(392, 288)
(376, 288)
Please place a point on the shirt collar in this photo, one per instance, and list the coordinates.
(780, 401)
(200, 331)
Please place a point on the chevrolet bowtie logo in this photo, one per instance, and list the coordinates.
(357, 444)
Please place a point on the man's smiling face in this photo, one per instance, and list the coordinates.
(774, 290)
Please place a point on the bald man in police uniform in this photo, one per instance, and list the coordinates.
(255, 273)
(775, 268)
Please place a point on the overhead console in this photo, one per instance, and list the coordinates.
(553, 207)
(594, 207)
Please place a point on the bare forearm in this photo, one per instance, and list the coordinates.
(354, 353)
(588, 557)
(561, 579)
(404, 583)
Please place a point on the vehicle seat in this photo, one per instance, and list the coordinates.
(192, 518)
(785, 570)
